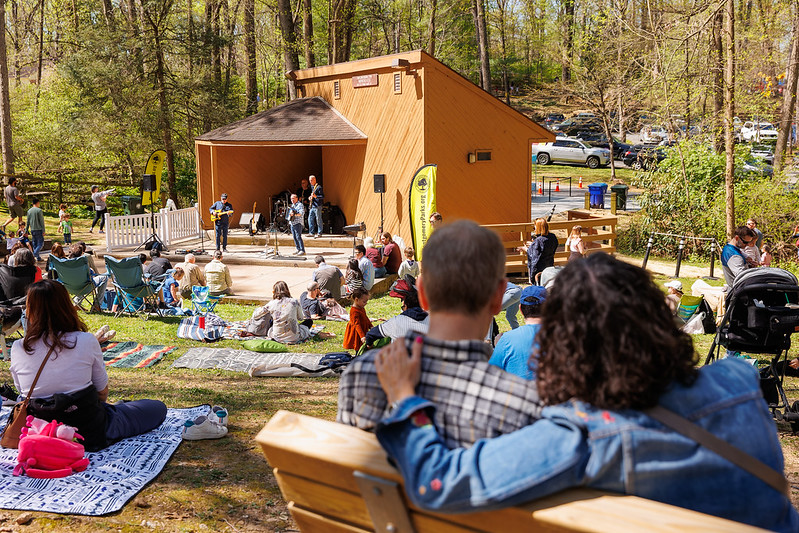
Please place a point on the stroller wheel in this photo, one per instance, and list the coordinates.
(778, 415)
(795, 407)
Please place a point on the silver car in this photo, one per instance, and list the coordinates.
(566, 150)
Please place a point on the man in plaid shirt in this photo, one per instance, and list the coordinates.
(462, 285)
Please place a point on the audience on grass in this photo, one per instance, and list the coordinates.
(217, 276)
(312, 303)
(328, 277)
(158, 265)
(409, 267)
(171, 290)
(392, 257)
(366, 267)
(609, 353)
(74, 375)
(476, 399)
(412, 318)
(512, 352)
(674, 294)
(77, 250)
(359, 323)
(193, 275)
(24, 257)
(375, 257)
(353, 279)
(289, 325)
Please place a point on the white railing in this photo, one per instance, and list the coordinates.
(170, 226)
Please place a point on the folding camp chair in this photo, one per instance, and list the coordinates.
(136, 294)
(688, 307)
(202, 301)
(76, 276)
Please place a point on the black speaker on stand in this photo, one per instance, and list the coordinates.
(148, 187)
(380, 187)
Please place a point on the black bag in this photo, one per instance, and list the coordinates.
(82, 409)
(768, 386)
(709, 322)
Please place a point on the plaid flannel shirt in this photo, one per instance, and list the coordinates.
(474, 399)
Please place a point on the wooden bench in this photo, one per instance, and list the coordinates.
(335, 478)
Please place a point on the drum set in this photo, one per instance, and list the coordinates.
(279, 208)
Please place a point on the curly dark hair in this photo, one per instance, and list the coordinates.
(608, 338)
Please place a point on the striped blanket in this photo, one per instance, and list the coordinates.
(133, 354)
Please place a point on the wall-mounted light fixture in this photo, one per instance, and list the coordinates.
(470, 157)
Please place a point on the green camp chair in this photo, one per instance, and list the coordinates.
(688, 306)
(76, 276)
(202, 301)
(136, 294)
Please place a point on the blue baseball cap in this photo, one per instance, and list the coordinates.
(533, 295)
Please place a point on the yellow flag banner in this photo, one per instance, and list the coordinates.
(422, 203)
(155, 166)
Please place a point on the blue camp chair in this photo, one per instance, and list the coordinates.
(136, 294)
(76, 276)
(202, 301)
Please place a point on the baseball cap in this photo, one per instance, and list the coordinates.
(675, 284)
(533, 295)
(224, 195)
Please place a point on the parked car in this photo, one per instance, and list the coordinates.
(763, 152)
(630, 156)
(573, 125)
(755, 167)
(758, 132)
(600, 140)
(649, 157)
(553, 118)
(653, 134)
(566, 150)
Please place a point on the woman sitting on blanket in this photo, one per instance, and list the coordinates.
(288, 321)
(73, 386)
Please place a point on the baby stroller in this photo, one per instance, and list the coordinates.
(762, 311)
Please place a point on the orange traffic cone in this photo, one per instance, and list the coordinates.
(540, 188)
(557, 185)
(580, 185)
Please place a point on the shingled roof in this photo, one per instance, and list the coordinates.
(301, 120)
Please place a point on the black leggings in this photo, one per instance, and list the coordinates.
(99, 216)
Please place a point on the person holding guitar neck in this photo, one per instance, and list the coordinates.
(220, 214)
(294, 216)
(315, 214)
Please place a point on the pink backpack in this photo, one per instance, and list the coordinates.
(49, 450)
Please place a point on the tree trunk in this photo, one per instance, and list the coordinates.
(5, 100)
(788, 99)
(568, 39)
(39, 58)
(431, 29)
(291, 59)
(252, 66)
(729, 113)
(108, 14)
(478, 14)
(307, 32)
(718, 81)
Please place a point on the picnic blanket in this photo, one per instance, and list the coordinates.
(132, 354)
(253, 363)
(115, 474)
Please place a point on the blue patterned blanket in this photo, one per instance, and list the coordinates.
(115, 475)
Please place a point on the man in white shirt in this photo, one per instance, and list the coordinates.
(217, 276)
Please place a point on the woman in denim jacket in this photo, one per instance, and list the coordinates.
(609, 350)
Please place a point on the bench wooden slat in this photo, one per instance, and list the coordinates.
(315, 460)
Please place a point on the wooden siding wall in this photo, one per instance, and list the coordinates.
(203, 157)
(394, 126)
(254, 174)
(460, 120)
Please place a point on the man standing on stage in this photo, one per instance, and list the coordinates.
(14, 202)
(304, 194)
(315, 214)
(220, 214)
(294, 216)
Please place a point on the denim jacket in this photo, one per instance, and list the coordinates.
(577, 445)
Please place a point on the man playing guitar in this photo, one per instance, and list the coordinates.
(221, 211)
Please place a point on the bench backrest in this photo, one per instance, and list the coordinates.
(336, 479)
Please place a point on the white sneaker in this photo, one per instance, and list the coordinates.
(300, 253)
(101, 333)
(110, 334)
(202, 428)
(221, 415)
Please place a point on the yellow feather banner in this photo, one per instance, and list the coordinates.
(155, 167)
(422, 200)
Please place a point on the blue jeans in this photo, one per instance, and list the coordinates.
(380, 272)
(221, 235)
(132, 418)
(510, 303)
(315, 221)
(38, 242)
(296, 232)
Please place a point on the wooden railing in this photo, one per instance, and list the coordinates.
(170, 226)
(598, 234)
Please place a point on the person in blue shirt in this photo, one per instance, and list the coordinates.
(221, 211)
(733, 261)
(512, 352)
(609, 353)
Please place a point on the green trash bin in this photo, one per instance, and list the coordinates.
(132, 205)
(621, 196)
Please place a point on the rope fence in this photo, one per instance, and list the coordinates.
(714, 246)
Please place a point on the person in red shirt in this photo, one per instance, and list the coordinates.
(359, 324)
(374, 255)
(392, 257)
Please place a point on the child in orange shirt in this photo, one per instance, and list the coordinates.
(359, 323)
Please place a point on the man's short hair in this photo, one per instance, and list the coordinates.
(35, 200)
(463, 264)
(217, 254)
(154, 252)
(189, 258)
(744, 231)
(312, 286)
(319, 259)
(143, 258)
(12, 181)
(361, 249)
